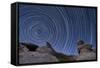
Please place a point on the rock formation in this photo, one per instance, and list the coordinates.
(30, 46)
(85, 51)
(39, 55)
(30, 53)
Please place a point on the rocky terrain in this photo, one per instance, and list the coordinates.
(38, 55)
(30, 53)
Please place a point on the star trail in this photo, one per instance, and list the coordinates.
(60, 26)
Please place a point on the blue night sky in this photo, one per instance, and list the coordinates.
(60, 26)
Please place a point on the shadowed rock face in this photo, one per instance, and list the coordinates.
(30, 46)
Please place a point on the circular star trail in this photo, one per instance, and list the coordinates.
(59, 26)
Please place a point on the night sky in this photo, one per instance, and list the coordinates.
(62, 27)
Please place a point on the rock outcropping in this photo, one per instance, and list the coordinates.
(30, 53)
(86, 52)
(39, 55)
